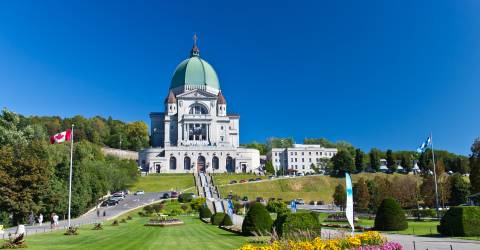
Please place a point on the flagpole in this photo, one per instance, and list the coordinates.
(70, 178)
(434, 176)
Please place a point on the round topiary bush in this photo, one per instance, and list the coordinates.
(390, 216)
(205, 213)
(227, 221)
(185, 197)
(257, 220)
(217, 219)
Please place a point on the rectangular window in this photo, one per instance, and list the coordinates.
(303, 159)
(295, 159)
(303, 153)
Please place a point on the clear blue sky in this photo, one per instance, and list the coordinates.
(378, 74)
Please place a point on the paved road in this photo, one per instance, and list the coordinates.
(421, 242)
(130, 202)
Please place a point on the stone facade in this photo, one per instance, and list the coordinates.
(300, 157)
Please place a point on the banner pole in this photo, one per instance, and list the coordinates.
(70, 179)
(435, 176)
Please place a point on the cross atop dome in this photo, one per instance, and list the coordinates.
(195, 51)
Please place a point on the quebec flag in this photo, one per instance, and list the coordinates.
(425, 145)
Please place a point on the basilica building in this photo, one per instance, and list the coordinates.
(195, 133)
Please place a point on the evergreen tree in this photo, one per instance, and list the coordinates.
(269, 167)
(359, 155)
(340, 196)
(361, 196)
(406, 163)
(459, 190)
(475, 167)
(391, 161)
(375, 159)
(343, 162)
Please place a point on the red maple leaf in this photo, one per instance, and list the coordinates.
(59, 136)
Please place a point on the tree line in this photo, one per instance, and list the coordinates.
(98, 130)
(411, 191)
(34, 174)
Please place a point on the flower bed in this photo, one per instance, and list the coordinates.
(161, 222)
(370, 240)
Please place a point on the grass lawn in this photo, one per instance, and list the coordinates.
(134, 235)
(164, 182)
(309, 188)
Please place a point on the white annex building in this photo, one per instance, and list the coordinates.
(195, 133)
(300, 157)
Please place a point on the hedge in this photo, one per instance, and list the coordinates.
(205, 212)
(460, 221)
(227, 221)
(287, 225)
(257, 220)
(390, 216)
(217, 219)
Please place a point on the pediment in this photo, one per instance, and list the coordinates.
(195, 94)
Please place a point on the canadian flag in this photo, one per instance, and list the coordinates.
(61, 137)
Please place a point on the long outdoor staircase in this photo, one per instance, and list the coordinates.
(206, 188)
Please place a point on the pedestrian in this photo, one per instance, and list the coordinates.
(104, 213)
(55, 220)
(52, 221)
(40, 219)
(31, 219)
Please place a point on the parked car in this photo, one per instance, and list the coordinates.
(260, 199)
(271, 177)
(116, 198)
(243, 181)
(300, 174)
(258, 179)
(233, 181)
(121, 193)
(251, 180)
(166, 196)
(245, 198)
(174, 194)
(299, 201)
(109, 203)
(139, 192)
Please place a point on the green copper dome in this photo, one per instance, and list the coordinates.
(194, 72)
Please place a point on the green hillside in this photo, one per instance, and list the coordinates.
(317, 188)
(164, 182)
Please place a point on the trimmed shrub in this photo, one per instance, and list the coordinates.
(185, 197)
(257, 220)
(390, 216)
(288, 224)
(217, 219)
(460, 221)
(197, 204)
(277, 207)
(205, 213)
(227, 221)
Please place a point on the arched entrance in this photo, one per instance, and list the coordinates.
(201, 164)
(215, 163)
(187, 163)
(173, 163)
(229, 165)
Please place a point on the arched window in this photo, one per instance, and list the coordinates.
(229, 164)
(201, 164)
(198, 109)
(187, 163)
(173, 163)
(215, 163)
